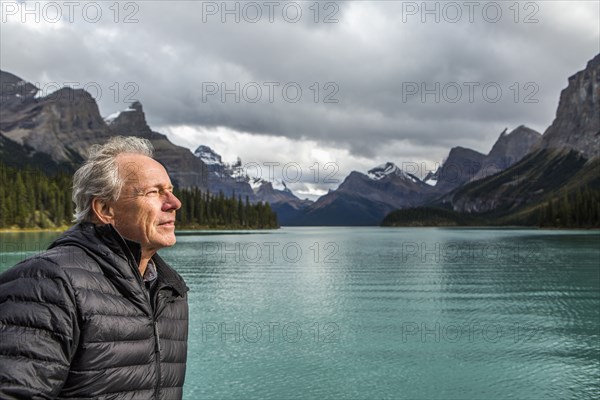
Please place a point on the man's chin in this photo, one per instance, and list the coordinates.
(170, 241)
(164, 240)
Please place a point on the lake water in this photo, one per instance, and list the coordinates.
(365, 313)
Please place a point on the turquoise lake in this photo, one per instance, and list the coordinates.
(376, 313)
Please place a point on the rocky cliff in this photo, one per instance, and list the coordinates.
(577, 122)
(65, 123)
(565, 160)
(62, 124)
(461, 166)
(508, 149)
(183, 167)
(222, 178)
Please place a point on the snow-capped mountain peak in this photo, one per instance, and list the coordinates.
(384, 170)
(390, 169)
(208, 155)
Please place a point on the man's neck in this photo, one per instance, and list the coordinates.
(146, 256)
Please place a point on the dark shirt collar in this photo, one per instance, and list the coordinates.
(150, 274)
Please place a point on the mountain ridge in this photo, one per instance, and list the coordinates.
(522, 169)
(563, 162)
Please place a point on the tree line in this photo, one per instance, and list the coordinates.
(577, 210)
(430, 216)
(204, 210)
(30, 198)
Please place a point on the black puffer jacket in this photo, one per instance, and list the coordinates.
(77, 321)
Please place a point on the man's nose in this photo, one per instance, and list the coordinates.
(171, 202)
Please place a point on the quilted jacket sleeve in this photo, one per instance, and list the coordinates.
(38, 330)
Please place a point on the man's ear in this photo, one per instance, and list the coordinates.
(102, 211)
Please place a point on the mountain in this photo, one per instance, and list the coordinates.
(64, 124)
(508, 149)
(364, 199)
(185, 169)
(464, 165)
(577, 122)
(223, 177)
(508, 185)
(267, 192)
(231, 180)
(565, 161)
(210, 158)
(520, 174)
(538, 175)
(53, 132)
(461, 165)
(283, 201)
(14, 93)
(15, 155)
(61, 124)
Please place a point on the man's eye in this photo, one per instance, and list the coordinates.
(152, 192)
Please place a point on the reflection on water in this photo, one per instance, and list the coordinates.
(418, 313)
(17, 246)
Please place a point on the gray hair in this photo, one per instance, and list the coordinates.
(99, 175)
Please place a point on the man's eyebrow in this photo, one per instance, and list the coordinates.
(158, 186)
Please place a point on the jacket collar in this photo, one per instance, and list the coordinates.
(133, 250)
(108, 236)
(117, 243)
(168, 275)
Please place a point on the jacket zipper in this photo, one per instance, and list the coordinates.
(156, 336)
(154, 310)
(157, 355)
(159, 306)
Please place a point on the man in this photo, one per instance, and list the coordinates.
(100, 315)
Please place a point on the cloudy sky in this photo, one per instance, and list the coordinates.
(312, 90)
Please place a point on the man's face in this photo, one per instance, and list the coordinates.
(145, 210)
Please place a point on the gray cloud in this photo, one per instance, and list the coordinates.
(369, 62)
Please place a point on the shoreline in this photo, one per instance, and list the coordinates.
(199, 229)
(19, 230)
(515, 227)
(183, 231)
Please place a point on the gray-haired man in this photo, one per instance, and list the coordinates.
(99, 314)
